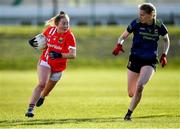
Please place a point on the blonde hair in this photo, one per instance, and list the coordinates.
(55, 20)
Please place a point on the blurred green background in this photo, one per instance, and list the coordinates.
(94, 47)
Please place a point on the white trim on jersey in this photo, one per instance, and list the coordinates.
(52, 31)
(46, 54)
(71, 47)
(166, 36)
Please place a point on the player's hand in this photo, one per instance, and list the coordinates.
(163, 60)
(33, 42)
(117, 49)
(53, 55)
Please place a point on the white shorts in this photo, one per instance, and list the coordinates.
(54, 76)
(44, 63)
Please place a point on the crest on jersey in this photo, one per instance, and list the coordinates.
(156, 31)
(60, 40)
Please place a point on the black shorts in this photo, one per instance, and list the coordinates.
(135, 63)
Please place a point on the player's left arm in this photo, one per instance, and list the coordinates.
(166, 44)
(163, 31)
(71, 41)
(163, 59)
(71, 54)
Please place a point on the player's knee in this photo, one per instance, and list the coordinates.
(130, 94)
(41, 85)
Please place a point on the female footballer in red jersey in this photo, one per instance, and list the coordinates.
(144, 51)
(61, 45)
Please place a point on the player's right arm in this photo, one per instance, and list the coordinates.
(131, 28)
(120, 41)
(123, 37)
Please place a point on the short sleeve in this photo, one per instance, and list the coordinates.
(163, 30)
(131, 28)
(71, 41)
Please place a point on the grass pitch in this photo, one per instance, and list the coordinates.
(89, 98)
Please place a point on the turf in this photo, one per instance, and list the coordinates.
(90, 98)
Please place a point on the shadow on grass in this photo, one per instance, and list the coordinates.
(156, 116)
(12, 123)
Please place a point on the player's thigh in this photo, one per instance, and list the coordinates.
(146, 73)
(43, 73)
(53, 79)
(132, 80)
(55, 76)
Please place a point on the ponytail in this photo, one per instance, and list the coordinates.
(55, 20)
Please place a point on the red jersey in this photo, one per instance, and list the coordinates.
(60, 43)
